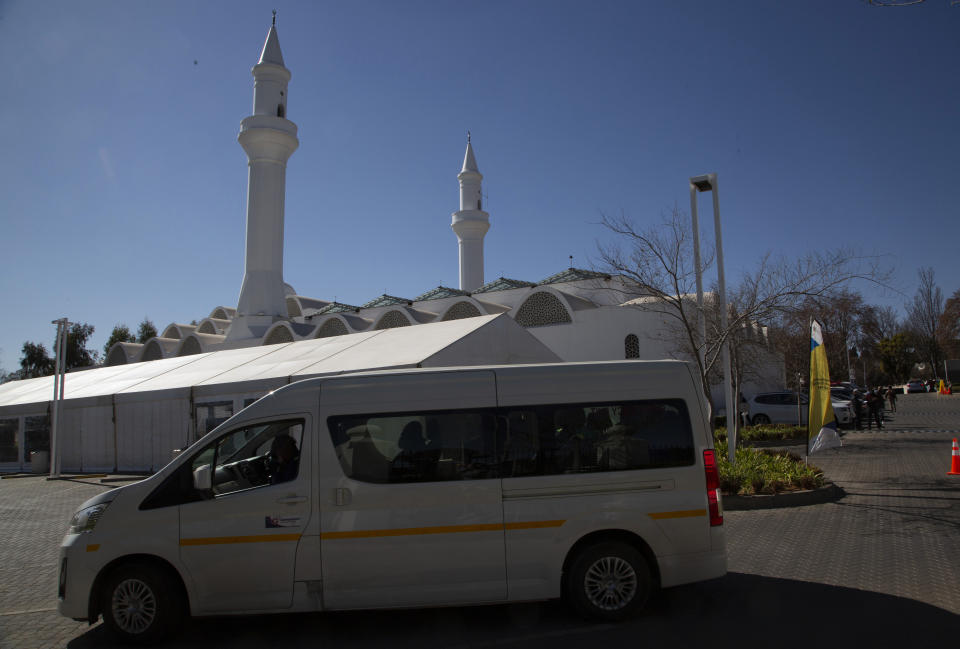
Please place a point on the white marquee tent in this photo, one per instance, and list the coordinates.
(131, 417)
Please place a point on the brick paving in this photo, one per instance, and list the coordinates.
(877, 568)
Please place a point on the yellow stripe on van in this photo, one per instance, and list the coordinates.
(93, 547)
(255, 538)
(683, 513)
(533, 525)
(440, 529)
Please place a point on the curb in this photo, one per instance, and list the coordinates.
(827, 493)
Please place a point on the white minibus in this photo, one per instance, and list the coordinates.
(596, 482)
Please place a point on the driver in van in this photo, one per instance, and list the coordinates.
(285, 455)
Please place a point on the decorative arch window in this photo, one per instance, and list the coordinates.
(279, 335)
(393, 319)
(631, 347)
(541, 309)
(461, 310)
(332, 327)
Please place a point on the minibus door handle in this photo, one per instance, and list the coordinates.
(292, 500)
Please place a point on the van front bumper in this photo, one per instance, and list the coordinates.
(78, 571)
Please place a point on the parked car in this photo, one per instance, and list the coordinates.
(777, 408)
(781, 408)
(915, 385)
(841, 393)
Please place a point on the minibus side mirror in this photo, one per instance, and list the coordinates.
(201, 478)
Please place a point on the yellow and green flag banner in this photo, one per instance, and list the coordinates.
(821, 424)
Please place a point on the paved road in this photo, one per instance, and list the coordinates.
(880, 568)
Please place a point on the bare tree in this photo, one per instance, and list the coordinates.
(923, 317)
(949, 331)
(658, 262)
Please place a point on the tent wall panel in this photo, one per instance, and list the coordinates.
(97, 435)
(148, 431)
(71, 442)
(86, 439)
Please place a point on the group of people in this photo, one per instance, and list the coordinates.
(869, 405)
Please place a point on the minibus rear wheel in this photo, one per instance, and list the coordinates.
(139, 603)
(608, 582)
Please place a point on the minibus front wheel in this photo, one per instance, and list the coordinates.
(608, 582)
(139, 603)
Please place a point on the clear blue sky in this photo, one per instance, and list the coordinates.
(123, 185)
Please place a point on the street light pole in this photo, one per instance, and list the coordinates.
(706, 183)
(698, 272)
(60, 368)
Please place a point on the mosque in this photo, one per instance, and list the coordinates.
(191, 377)
(577, 313)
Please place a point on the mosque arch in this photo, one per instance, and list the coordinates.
(393, 319)
(540, 309)
(178, 331)
(462, 309)
(331, 327)
(157, 348)
(631, 346)
(189, 347)
(293, 307)
(123, 353)
(223, 313)
(212, 326)
(280, 333)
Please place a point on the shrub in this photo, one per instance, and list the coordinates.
(764, 471)
(764, 432)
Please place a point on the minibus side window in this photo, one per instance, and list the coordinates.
(253, 456)
(580, 438)
(416, 447)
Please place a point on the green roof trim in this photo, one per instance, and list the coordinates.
(573, 275)
(386, 300)
(337, 307)
(441, 292)
(503, 284)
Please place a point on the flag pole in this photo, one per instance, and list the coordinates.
(806, 445)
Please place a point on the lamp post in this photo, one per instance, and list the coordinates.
(706, 183)
(60, 368)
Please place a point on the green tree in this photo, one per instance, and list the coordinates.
(897, 355)
(77, 353)
(120, 334)
(34, 361)
(146, 331)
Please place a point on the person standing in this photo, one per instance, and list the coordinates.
(857, 409)
(892, 398)
(875, 407)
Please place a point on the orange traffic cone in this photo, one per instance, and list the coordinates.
(955, 459)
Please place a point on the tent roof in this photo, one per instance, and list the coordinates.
(491, 339)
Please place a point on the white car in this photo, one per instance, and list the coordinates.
(781, 408)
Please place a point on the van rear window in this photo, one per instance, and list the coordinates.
(511, 442)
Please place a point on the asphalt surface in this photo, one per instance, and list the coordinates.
(880, 567)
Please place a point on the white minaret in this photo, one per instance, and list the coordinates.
(470, 223)
(269, 139)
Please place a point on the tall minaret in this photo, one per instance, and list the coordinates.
(269, 139)
(470, 223)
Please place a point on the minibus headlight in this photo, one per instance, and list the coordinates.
(86, 519)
